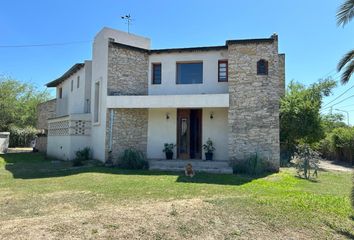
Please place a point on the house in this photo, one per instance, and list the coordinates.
(132, 96)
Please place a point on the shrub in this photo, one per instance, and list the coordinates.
(21, 137)
(305, 159)
(338, 144)
(253, 166)
(132, 159)
(81, 155)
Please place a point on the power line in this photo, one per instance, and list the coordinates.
(43, 44)
(338, 97)
(343, 100)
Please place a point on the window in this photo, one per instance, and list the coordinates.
(78, 82)
(156, 73)
(96, 104)
(262, 67)
(222, 70)
(189, 73)
(60, 90)
(72, 85)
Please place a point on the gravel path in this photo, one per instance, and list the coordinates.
(335, 166)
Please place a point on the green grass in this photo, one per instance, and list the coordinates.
(32, 186)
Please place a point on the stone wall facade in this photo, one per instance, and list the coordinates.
(254, 101)
(127, 70)
(45, 111)
(282, 74)
(129, 130)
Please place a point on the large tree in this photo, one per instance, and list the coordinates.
(18, 103)
(300, 118)
(345, 14)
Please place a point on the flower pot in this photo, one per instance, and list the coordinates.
(209, 156)
(169, 155)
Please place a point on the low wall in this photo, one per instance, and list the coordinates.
(4, 141)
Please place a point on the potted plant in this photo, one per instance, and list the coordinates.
(168, 150)
(208, 149)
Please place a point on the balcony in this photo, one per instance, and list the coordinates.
(169, 101)
(62, 107)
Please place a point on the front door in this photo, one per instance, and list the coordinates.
(189, 133)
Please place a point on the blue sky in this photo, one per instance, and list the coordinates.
(307, 31)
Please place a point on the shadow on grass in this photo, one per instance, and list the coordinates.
(36, 165)
(344, 232)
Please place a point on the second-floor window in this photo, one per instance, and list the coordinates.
(156, 73)
(222, 70)
(60, 93)
(262, 67)
(189, 73)
(72, 85)
(78, 82)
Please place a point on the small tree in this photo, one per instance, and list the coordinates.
(306, 160)
(300, 119)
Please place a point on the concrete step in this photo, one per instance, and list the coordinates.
(198, 165)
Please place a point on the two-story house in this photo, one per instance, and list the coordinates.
(132, 96)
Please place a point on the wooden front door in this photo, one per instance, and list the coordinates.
(189, 133)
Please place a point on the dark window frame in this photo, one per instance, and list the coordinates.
(78, 82)
(227, 70)
(262, 67)
(153, 79)
(60, 93)
(189, 62)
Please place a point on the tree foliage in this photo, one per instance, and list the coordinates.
(345, 14)
(18, 103)
(300, 119)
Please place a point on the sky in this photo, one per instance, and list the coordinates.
(307, 30)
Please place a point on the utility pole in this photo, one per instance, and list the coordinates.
(346, 113)
(129, 20)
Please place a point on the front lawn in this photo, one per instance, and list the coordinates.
(41, 199)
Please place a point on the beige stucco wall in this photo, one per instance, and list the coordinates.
(168, 73)
(160, 131)
(217, 130)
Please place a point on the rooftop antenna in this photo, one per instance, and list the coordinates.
(129, 20)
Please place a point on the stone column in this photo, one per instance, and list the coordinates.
(254, 101)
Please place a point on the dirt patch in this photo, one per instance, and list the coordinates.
(192, 219)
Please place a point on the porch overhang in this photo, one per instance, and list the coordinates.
(169, 101)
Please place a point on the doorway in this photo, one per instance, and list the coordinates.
(189, 133)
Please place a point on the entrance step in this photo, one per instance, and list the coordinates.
(198, 165)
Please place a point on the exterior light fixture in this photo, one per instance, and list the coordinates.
(167, 116)
(211, 115)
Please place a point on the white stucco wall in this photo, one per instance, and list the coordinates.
(65, 147)
(217, 130)
(75, 99)
(160, 131)
(168, 76)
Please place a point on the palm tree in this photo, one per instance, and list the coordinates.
(345, 14)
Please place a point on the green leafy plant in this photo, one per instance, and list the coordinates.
(132, 159)
(208, 146)
(80, 156)
(306, 161)
(168, 147)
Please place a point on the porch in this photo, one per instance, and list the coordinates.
(198, 165)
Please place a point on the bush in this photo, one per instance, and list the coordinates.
(253, 166)
(21, 137)
(338, 144)
(132, 159)
(305, 159)
(81, 156)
